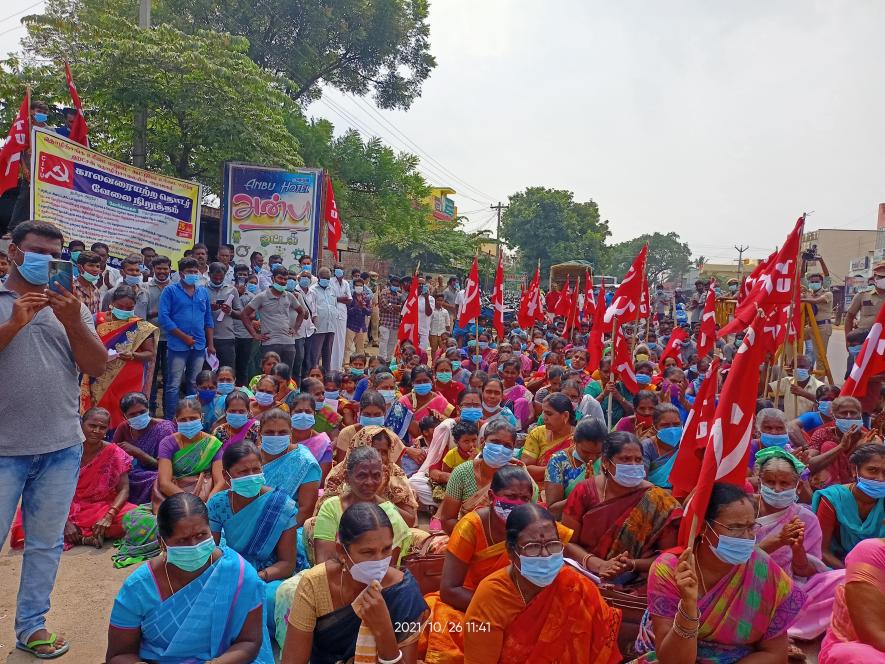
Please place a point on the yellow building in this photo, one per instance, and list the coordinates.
(443, 207)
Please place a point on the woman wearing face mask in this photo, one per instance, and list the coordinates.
(474, 550)
(423, 400)
(237, 424)
(395, 486)
(468, 485)
(722, 600)
(516, 396)
(131, 344)
(266, 397)
(809, 422)
(288, 465)
(641, 423)
(536, 606)
(305, 433)
(225, 383)
(356, 599)
(621, 521)
(207, 393)
(790, 533)
(168, 609)
(568, 468)
(493, 407)
(459, 373)
(373, 410)
(849, 513)
(258, 522)
(659, 450)
(555, 435)
(608, 388)
(139, 436)
(327, 418)
(443, 381)
(771, 427)
(190, 460)
(835, 442)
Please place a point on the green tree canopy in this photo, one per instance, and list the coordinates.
(358, 46)
(548, 225)
(667, 255)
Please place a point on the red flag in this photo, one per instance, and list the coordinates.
(408, 327)
(753, 277)
(687, 464)
(589, 301)
(16, 143)
(498, 298)
(625, 303)
(774, 285)
(571, 316)
(728, 447)
(79, 131)
(707, 331)
(333, 221)
(674, 347)
(564, 301)
(869, 362)
(622, 362)
(644, 299)
(470, 308)
(530, 309)
(594, 340)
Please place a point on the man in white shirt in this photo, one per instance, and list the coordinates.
(305, 331)
(440, 322)
(110, 276)
(425, 313)
(325, 318)
(343, 294)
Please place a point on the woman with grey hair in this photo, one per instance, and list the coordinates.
(771, 431)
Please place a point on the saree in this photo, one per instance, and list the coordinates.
(568, 622)
(754, 602)
(851, 529)
(659, 466)
(327, 419)
(139, 542)
(121, 376)
(564, 469)
(225, 433)
(198, 622)
(191, 469)
(841, 645)
(819, 588)
(320, 446)
(437, 405)
(141, 479)
(633, 522)
(288, 472)
(519, 400)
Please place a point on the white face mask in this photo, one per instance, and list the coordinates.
(880, 284)
(369, 570)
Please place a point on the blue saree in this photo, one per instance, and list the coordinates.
(851, 529)
(659, 466)
(197, 623)
(292, 470)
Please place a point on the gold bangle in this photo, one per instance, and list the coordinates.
(683, 633)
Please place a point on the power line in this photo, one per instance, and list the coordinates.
(20, 12)
(6, 32)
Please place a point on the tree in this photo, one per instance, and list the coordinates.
(667, 255)
(357, 46)
(207, 101)
(548, 225)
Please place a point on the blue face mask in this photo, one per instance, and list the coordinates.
(324, 283)
(279, 288)
(40, 117)
(35, 268)
(248, 486)
(854, 350)
(264, 398)
(629, 475)
(422, 389)
(693, 368)
(91, 278)
(206, 395)
(875, 489)
(190, 558)
(357, 372)
(303, 421)
(483, 344)
(456, 365)
(642, 379)
(74, 256)
(389, 395)
(774, 439)
(192, 279)
(140, 422)
(802, 374)
(290, 285)
(275, 444)
(825, 408)
(670, 435)
(339, 272)
(225, 388)
(496, 455)
(190, 429)
(237, 420)
(122, 314)
(304, 282)
(132, 281)
(444, 376)
(471, 414)
(367, 421)
(734, 550)
(332, 395)
(477, 359)
(778, 499)
(845, 425)
(319, 405)
(394, 289)
(541, 570)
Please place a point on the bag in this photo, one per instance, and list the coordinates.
(632, 609)
(425, 566)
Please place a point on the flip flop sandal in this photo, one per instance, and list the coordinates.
(32, 646)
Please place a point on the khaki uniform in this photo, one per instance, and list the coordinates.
(865, 308)
(824, 318)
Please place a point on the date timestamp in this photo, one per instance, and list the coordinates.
(469, 627)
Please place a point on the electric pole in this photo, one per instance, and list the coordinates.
(498, 208)
(139, 141)
(741, 249)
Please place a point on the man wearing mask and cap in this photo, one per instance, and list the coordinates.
(864, 307)
(343, 295)
(821, 300)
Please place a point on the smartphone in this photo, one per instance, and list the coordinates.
(61, 273)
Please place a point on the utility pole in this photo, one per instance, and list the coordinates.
(741, 249)
(139, 141)
(498, 208)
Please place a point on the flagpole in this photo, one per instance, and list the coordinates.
(790, 320)
(612, 370)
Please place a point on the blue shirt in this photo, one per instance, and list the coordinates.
(810, 421)
(191, 314)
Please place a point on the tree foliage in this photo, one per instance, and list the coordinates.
(548, 225)
(358, 46)
(667, 255)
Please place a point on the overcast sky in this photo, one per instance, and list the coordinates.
(720, 121)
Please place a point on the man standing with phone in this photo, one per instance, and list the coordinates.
(43, 333)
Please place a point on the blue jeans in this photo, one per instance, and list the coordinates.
(45, 483)
(180, 365)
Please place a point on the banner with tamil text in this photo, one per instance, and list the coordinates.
(94, 198)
